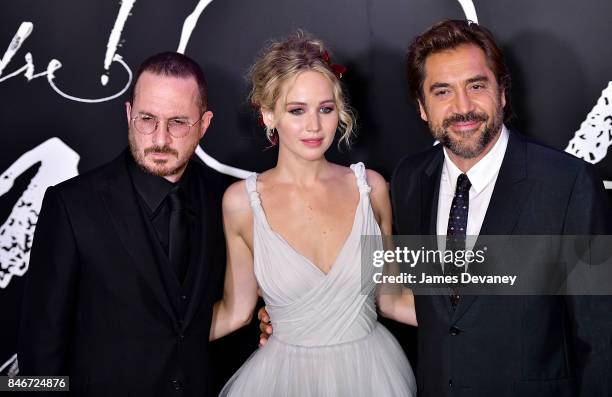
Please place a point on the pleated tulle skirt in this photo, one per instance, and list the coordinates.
(372, 366)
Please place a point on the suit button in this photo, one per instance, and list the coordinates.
(176, 385)
(454, 331)
(450, 383)
(184, 297)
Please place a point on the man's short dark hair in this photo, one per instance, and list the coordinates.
(174, 64)
(448, 35)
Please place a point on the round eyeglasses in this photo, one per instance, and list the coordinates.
(177, 127)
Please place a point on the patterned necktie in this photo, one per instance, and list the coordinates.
(456, 231)
(178, 233)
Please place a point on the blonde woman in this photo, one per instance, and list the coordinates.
(295, 231)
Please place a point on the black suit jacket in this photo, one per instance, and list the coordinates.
(513, 345)
(97, 305)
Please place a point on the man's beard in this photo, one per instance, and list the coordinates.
(465, 148)
(160, 169)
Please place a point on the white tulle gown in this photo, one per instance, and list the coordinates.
(326, 339)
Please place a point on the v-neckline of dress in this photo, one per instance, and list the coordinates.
(308, 260)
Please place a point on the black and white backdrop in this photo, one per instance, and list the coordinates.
(66, 66)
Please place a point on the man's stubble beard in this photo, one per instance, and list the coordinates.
(139, 156)
(491, 129)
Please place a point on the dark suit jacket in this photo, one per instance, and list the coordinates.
(97, 305)
(513, 345)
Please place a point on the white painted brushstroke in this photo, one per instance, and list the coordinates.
(115, 36)
(27, 70)
(24, 30)
(469, 10)
(594, 137)
(222, 168)
(11, 364)
(190, 23)
(55, 65)
(58, 162)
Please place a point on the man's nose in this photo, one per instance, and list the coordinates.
(463, 103)
(160, 136)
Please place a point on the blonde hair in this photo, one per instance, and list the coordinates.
(282, 61)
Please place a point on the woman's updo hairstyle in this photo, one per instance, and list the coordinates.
(282, 61)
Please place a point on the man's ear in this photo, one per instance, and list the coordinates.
(128, 111)
(205, 123)
(422, 111)
(502, 99)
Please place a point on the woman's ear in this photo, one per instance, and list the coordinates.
(268, 117)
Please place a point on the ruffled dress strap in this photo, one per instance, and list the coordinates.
(251, 188)
(360, 174)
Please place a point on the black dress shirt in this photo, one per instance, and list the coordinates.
(153, 197)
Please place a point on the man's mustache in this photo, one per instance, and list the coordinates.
(160, 149)
(462, 118)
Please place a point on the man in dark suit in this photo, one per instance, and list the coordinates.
(484, 179)
(128, 259)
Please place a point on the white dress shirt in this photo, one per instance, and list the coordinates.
(482, 175)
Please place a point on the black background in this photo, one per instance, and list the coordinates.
(558, 51)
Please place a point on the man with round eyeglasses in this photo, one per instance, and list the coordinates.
(167, 122)
(128, 259)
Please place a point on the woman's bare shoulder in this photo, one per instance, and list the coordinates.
(376, 181)
(236, 203)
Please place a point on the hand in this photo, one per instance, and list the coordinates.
(264, 325)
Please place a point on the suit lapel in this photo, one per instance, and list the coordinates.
(122, 205)
(207, 240)
(430, 191)
(510, 192)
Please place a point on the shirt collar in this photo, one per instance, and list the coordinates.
(484, 171)
(152, 188)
